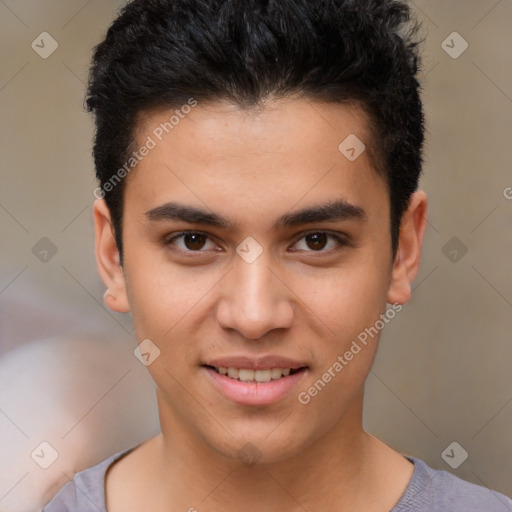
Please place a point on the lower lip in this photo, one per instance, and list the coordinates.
(254, 393)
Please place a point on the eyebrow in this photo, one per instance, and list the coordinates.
(330, 211)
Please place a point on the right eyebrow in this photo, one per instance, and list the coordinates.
(188, 214)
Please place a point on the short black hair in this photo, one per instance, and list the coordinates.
(162, 53)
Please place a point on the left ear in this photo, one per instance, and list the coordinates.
(407, 260)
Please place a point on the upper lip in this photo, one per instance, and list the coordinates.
(259, 363)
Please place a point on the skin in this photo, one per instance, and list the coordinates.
(298, 299)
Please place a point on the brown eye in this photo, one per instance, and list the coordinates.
(190, 241)
(194, 241)
(317, 241)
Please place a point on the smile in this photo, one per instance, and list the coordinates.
(249, 375)
(255, 387)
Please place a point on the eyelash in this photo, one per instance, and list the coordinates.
(342, 242)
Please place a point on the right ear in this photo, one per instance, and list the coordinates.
(108, 260)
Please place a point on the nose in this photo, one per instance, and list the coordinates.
(254, 299)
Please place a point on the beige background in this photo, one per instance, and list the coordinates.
(443, 371)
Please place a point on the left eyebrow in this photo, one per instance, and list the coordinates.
(330, 211)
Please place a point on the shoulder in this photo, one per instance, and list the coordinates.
(86, 491)
(435, 490)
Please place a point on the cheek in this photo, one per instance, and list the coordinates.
(163, 296)
(170, 304)
(349, 307)
(347, 303)
(345, 300)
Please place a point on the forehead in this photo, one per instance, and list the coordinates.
(256, 161)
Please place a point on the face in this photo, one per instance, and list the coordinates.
(254, 246)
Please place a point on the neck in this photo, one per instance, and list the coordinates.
(334, 472)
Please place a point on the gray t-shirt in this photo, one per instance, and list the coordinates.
(429, 490)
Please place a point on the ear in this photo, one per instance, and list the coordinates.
(108, 260)
(407, 260)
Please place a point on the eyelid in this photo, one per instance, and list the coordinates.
(340, 238)
(173, 236)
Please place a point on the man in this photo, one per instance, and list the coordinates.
(258, 211)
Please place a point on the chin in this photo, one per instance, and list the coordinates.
(252, 446)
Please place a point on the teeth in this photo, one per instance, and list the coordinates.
(247, 375)
(276, 373)
(263, 375)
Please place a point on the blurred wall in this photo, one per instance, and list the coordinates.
(443, 371)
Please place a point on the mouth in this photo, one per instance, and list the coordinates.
(267, 382)
(259, 376)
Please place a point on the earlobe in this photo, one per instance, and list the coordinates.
(407, 261)
(108, 261)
